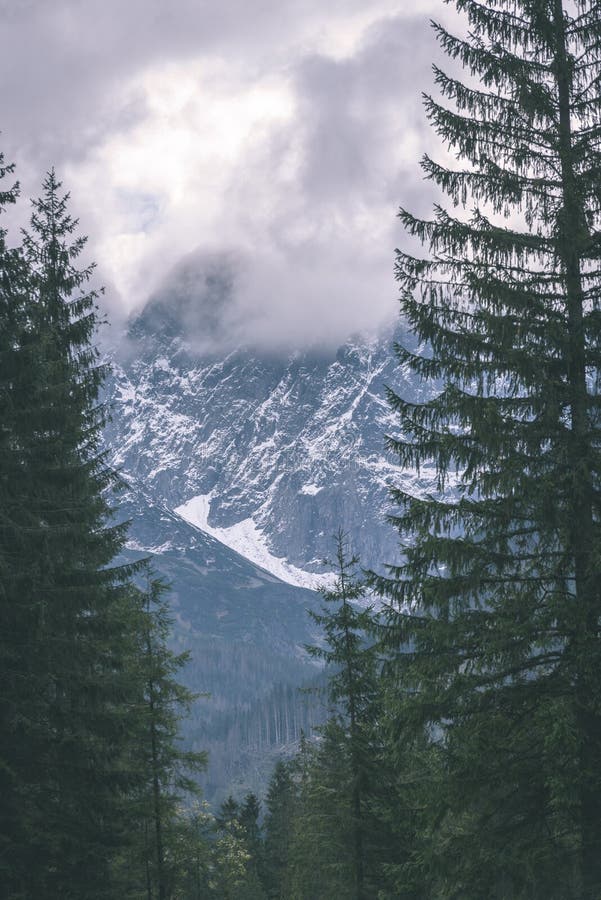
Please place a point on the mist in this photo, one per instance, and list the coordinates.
(188, 145)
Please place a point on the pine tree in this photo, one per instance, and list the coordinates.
(250, 812)
(229, 867)
(320, 861)
(405, 803)
(352, 687)
(89, 702)
(168, 768)
(14, 626)
(195, 826)
(229, 812)
(281, 805)
(237, 851)
(495, 609)
(72, 629)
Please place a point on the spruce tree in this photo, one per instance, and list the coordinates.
(228, 815)
(196, 826)
(352, 687)
(322, 862)
(250, 812)
(281, 805)
(167, 767)
(89, 702)
(235, 852)
(494, 620)
(14, 625)
(72, 629)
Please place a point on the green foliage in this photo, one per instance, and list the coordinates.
(193, 831)
(318, 828)
(66, 612)
(353, 688)
(167, 769)
(492, 631)
(11, 620)
(229, 877)
(89, 703)
(248, 818)
(281, 803)
(237, 852)
(322, 860)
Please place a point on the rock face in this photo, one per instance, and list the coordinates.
(245, 631)
(240, 467)
(271, 454)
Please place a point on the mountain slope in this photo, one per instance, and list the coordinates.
(271, 454)
(268, 454)
(245, 631)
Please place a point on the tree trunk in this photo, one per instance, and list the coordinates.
(573, 238)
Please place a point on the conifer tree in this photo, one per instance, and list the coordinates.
(321, 861)
(72, 629)
(496, 606)
(281, 805)
(236, 851)
(248, 818)
(168, 768)
(193, 863)
(229, 812)
(89, 702)
(14, 626)
(352, 687)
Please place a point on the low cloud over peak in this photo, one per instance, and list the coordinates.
(181, 136)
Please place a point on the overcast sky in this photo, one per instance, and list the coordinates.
(277, 135)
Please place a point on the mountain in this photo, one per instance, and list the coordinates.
(245, 631)
(241, 464)
(271, 454)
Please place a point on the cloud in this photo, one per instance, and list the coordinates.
(317, 202)
(186, 134)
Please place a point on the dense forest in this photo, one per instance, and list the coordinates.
(460, 757)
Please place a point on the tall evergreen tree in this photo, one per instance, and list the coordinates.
(321, 862)
(497, 603)
(72, 627)
(13, 628)
(229, 812)
(89, 702)
(196, 826)
(249, 816)
(352, 687)
(281, 805)
(167, 767)
(237, 851)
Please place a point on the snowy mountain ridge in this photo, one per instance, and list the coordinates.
(269, 454)
(240, 467)
(245, 538)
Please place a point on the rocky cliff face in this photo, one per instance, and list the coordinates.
(270, 454)
(240, 467)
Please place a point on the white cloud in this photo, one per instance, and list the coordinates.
(287, 133)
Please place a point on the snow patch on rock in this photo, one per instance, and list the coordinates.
(311, 489)
(245, 538)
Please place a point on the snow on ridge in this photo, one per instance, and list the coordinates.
(144, 548)
(311, 489)
(294, 448)
(249, 541)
